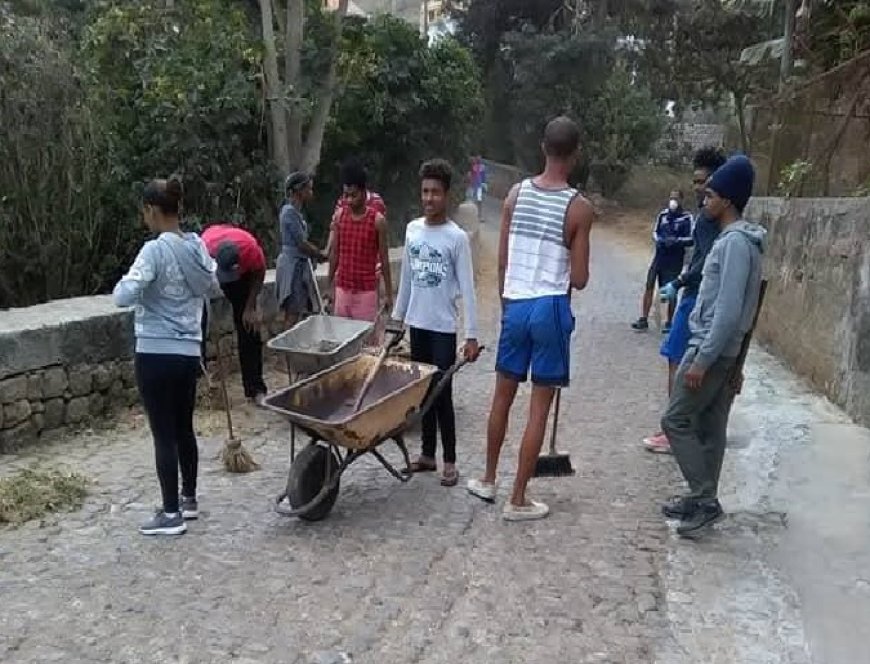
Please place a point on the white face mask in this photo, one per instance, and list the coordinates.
(673, 205)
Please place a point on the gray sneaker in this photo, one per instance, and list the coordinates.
(162, 524)
(189, 508)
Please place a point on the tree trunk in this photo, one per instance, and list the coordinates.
(274, 93)
(740, 109)
(295, 36)
(785, 64)
(325, 96)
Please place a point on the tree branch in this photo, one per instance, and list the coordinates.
(325, 96)
(295, 37)
(274, 95)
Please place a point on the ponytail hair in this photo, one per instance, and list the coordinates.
(164, 194)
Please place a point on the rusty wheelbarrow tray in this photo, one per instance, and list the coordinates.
(321, 406)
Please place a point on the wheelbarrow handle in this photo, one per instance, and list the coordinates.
(436, 391)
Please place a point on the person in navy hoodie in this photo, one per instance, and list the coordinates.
(672, 233)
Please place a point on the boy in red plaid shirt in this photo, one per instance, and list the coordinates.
(358, 249)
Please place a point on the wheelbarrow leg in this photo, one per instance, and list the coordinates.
(400, 443)
(402, 477)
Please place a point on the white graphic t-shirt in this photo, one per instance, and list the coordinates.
(436, 271)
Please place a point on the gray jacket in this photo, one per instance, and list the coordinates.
(167, 286)
(728, 295)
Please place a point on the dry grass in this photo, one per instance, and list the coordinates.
(32, 493)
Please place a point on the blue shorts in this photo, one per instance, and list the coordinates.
(677, 342)
(536, 335)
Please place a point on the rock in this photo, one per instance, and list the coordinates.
(15, 438)
(34, 386)
(55, 411)
(16, 413)
(117, 395)
(102, 378)
(54, 383)
(38, 422)
(2, 420)
(81, 381)
(13, 389)
(132, 396)
(127, 373)
(331, 657)
(37, 407)
(97, 405)
(77, 410)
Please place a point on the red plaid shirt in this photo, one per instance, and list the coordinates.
(358, 251)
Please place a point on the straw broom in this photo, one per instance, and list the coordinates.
(234, 456)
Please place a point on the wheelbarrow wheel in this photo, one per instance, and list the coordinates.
(307, 477)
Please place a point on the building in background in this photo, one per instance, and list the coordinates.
(433, 17)
(353, 8)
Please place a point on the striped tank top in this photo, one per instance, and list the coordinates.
(538, 260)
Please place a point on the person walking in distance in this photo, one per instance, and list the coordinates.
(672, 233)
(543, 255)
(696, 420)
(704, 232)
(436, 268)
(241, 270)
(166, 285)
(358, 247)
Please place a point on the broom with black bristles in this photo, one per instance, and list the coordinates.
(554, 464)
(234, 456)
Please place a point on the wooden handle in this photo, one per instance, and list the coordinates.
(555, 422)
(224, 391)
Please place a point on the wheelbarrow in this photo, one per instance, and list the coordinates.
(322, 406)
(316, 343)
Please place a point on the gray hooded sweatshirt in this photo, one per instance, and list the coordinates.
(728, 295)
(167, 284)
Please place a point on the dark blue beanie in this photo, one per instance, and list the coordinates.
(733, 180)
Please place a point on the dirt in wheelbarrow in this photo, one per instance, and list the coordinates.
(339, 404)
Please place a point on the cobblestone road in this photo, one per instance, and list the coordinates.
(398, 573)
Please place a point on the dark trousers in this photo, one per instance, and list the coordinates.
(437, 348)
(167, 384)
(250, 343)
(696, 424)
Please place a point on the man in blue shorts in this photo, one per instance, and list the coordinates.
(704, 234)
(543, 255)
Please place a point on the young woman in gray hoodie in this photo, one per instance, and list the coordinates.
(166, 285)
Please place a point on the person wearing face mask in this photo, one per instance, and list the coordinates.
(167, 285)
(672, 233)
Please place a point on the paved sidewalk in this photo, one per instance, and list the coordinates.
(419, 573)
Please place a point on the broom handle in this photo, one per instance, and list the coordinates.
(555, 422)
(224, 390)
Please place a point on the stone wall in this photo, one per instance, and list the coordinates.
(823, 123)
(66, 362)
(679, 142)
(817, 312)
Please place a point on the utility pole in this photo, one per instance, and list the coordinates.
(785, 65)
